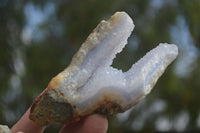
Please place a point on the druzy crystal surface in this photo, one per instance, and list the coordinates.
(90, 85)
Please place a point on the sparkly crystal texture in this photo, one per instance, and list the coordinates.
(89, 84)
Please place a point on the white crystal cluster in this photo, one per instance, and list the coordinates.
(89, 84)
(94, 77)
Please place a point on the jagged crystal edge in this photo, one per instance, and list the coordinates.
(132, 86)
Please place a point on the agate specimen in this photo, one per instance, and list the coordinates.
(90, 85)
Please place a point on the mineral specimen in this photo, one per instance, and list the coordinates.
(4, 129)
(90, 85)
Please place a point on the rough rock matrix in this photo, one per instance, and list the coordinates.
(4, 129)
